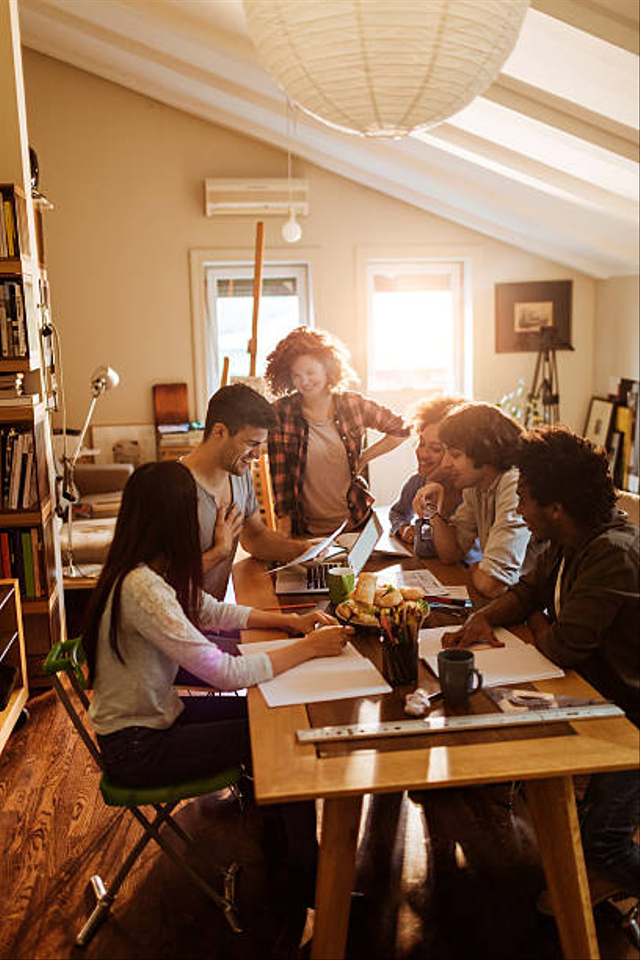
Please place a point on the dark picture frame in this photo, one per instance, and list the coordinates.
(523, 310)
(599, 421)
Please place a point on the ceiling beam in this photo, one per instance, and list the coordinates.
(564, 115)
(607, 19)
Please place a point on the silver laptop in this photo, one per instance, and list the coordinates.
(313, 578)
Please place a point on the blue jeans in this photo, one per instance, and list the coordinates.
(210, 734)
(610, 813)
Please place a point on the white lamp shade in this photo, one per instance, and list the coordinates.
(103, 378)
(384, 67)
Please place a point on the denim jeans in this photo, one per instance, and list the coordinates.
(610, 813)
(211, 734)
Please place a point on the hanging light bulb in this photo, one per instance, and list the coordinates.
(291, 231)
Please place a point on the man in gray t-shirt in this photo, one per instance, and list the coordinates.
(236, 428)
(243, 496)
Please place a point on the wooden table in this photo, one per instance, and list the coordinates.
(545, 757)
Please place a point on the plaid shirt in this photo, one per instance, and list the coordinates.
(288, 443)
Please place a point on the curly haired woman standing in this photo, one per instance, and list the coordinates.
(316, 450)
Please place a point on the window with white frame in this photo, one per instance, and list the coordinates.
(416, 326)
(285, 303)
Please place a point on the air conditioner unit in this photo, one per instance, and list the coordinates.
(227, 197)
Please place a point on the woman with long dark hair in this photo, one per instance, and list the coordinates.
(145, 621)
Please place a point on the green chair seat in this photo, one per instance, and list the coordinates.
(117, 795)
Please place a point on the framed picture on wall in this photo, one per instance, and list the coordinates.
(525, 310)
(599, 421)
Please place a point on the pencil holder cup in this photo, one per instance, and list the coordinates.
(400, 630)
(400, 661)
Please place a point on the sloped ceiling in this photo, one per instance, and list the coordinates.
(547, 159)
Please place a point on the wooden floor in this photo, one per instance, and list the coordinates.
(456, 878)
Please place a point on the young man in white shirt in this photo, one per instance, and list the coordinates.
(236, 428)
(481, 444)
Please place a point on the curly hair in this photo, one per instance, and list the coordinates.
(558, 466)
(319, 344)
(486, 434)
(431, 410)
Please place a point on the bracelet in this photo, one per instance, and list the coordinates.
(436, 513)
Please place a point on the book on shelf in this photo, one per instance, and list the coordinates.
(4, 250)
(27, 556)
(36, 551)
(10, 227)
(5, 555)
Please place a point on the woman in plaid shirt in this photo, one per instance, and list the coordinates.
(315, 451)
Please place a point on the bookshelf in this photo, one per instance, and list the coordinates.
(29, 545)
(12, 655)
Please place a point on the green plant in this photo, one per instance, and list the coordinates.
(521, 406)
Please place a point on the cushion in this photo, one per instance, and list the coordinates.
(91, 539)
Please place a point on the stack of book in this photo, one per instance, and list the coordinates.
(13, 326)
(21, 558)
(18, 480)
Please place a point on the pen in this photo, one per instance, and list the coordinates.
(449, 601)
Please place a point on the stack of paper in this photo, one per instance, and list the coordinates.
(325, 678)
(516, 662)
(428, 582)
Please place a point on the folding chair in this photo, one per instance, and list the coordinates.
(67, 657)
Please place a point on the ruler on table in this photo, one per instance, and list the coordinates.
(478, 721)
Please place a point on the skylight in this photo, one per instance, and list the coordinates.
(576, 66)
(550, 146)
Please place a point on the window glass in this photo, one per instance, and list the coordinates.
(284, 304)
(415, 326)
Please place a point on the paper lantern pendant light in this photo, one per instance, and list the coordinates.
(383, 68)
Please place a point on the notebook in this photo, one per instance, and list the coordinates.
(313, 578)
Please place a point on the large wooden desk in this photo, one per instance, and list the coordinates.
(545, 758)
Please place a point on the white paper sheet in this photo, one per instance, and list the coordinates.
(325, 678)
(313, 550)
(516, 662)
(421, 578)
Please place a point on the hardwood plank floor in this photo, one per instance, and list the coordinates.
(454, 877)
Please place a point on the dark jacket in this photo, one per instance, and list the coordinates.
(598, 630)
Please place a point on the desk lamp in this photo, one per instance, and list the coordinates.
(103, 378)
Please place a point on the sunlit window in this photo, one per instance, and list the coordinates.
(416, 326)
(284, 304)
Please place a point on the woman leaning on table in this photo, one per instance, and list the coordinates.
(316, 450)
(145, 620)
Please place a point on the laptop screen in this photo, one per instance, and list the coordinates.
(363, 547)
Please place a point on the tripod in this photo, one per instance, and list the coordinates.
(544, 388)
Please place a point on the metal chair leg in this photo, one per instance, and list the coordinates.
(99, 912)
(631, 926)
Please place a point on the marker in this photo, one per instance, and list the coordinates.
(292, 606)
(449, 601)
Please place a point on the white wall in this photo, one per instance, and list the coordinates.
(617, 326)
(126, 175)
